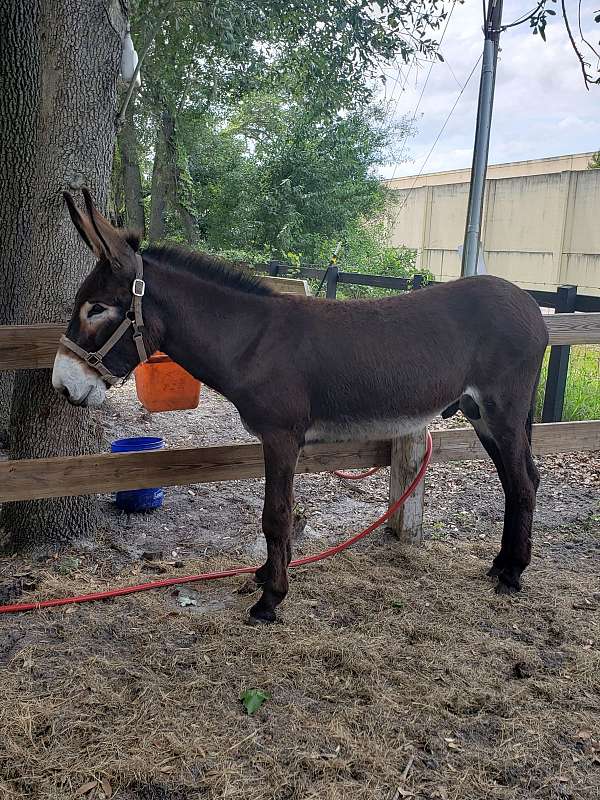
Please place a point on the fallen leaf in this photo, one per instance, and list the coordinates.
(167, 768)
(253, 699)
(106, 788)
(85, 788)
(585, 605)
(67, 565)
(184, 601)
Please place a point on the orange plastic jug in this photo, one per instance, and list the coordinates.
(162, 385)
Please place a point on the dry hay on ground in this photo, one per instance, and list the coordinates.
(391, 676)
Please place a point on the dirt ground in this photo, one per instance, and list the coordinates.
(392, 674)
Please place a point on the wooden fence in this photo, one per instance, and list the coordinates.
(34, 347)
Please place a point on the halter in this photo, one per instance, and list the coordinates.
(133, 319)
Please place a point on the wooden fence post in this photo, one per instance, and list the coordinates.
(558, 363)
(406, 457)
(332, 281)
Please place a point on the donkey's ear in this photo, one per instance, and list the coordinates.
(114, 245)
(84, 227)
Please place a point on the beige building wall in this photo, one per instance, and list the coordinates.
(541, 224)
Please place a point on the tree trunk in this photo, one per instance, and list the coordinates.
(130, 173)
(19, 23)
(80, 53)
(166, 183)
(160, 186)
(188, 223)
(117, 213)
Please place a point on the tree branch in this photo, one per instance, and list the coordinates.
(526, 18)
(583, 39)
(586, 78)
(120, 120)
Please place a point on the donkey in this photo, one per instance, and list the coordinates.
(300, 370)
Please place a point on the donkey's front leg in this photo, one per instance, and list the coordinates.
(281, 454)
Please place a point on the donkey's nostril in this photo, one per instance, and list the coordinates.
(65, 392)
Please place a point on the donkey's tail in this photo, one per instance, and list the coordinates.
(529, 423)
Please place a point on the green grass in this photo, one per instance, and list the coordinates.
(582, 396)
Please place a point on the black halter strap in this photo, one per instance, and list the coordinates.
(133, 319)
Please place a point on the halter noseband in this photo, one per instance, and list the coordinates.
(133, 319)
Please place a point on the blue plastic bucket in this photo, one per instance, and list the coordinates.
(138, 499)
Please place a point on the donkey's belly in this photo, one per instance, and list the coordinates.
(347, 430)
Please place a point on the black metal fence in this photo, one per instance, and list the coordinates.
(564, 300)
(332, 277)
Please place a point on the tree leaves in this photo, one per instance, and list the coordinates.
(276, 140)
(252, 700)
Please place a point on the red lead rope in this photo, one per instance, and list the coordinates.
(355, 476)
(228, 573)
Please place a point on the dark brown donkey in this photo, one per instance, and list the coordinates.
(301, 370)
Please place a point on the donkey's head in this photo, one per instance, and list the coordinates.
(103, 303)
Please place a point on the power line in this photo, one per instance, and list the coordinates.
(437, 138)
(423, 88)
(452, 71)
(390, 114)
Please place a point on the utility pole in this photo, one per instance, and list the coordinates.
(493, 22)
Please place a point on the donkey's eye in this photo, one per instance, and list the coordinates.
(96, 309)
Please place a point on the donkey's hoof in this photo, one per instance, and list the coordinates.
(503, 588)
(261, 616)
(254, 622)
(507, 584)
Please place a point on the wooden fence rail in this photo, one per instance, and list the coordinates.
(30, 479)
(34, 346)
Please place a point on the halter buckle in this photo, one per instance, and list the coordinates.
(139, 287)
(93, 359)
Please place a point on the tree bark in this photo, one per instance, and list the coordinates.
(131, 176)
(166, 183)
(20, 26)
(80, 53)
(160, 186)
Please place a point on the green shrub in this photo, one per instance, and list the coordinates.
(365, 250)
(582, 395)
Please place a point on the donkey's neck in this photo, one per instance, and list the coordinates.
(210, 329)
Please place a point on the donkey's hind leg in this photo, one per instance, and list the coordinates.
(493, 452)
(520, 483)
(281, 454)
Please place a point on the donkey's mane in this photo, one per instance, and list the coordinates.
(208, 268)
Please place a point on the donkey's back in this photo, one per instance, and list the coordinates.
(388, 366)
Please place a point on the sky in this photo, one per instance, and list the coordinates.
(541, 106)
